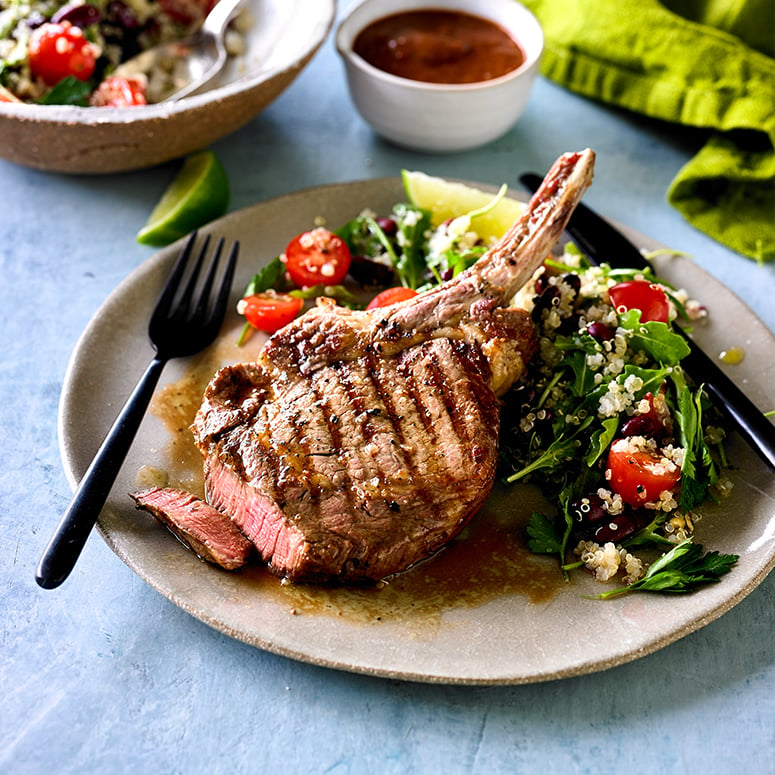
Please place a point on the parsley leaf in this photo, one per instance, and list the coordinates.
(543, 536)
(683, 569)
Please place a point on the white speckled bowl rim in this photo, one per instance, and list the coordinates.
(506, 641)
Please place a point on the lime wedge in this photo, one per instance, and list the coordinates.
(198, 194)
(491, 214)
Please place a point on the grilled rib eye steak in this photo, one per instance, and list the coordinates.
(359, 443)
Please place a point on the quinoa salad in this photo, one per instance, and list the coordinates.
(611, 428)
(54, 52)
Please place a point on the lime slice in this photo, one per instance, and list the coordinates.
(491, 214)
(198, 194)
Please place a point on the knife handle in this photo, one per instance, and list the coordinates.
(751, 423)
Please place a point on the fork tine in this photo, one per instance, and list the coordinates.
(204, 293)
(173, 281)
(182, 308)
(222, 297)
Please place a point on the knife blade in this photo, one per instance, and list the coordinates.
(601, 242)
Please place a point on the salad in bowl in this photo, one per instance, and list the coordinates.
(65, 53)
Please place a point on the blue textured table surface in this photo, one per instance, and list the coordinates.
(105, 675)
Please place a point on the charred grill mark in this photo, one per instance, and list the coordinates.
(352, 438)
(451, 398)
(325, 467)
(391, 390)
(418, 396)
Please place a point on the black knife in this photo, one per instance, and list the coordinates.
(603, 243)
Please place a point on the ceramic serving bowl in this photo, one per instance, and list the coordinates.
(435, 117)
(284, 36)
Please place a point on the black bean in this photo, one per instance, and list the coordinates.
(541, 282)
(642, 425)
(549, 297)
(619, 527)
(573, 281)
(569, 325)
(600, 331)
(368, 272)
(123, 15)
(388, 225)
(588, 511)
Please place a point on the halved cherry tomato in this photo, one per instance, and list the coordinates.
(317, 257)
(57, 50)
(639, 476)
(649, 298)
(118, 92)
(391, 296)
(269, 311)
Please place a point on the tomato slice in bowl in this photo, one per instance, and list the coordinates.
(269, 311)
(59, 50)
(317, 257)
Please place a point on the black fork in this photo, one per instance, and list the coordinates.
(183, 323)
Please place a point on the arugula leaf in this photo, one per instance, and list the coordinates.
(601, 439)
(543, 536)
(267, 277)
(562, 449)
(649, 534)
(683, 569)
(699, 471)
(576, 350)
(652, 379)
(365, 237)
(655, 338)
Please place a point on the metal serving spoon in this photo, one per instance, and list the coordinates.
(192, 63)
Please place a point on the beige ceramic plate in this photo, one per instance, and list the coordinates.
(531, 631)
(284, 37)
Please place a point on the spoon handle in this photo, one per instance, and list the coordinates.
(219, 17)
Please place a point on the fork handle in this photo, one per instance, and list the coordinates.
(68, 540)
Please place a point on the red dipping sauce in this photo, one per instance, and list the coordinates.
(439, 46)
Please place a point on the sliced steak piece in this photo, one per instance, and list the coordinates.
(208, 532)
(361, 442)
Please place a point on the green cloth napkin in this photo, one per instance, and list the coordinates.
(710, 67)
